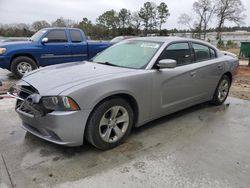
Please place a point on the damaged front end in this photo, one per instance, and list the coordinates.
(29, 101)
(52, 118)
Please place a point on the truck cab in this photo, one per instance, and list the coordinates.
(48, 46)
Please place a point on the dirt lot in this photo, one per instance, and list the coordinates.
(241, 85)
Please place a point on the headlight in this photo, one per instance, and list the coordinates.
(60, 103)
(2, 50)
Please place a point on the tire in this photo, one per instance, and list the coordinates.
(102, 129)
(220, 94)
(21, 65)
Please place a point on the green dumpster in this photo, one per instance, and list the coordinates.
(245, 50)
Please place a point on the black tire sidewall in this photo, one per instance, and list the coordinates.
(19, 59)
(216, 100)
(92, 129)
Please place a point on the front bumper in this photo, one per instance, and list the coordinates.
(63, 128)
(60, 127)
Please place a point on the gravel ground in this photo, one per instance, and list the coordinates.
(241, 85)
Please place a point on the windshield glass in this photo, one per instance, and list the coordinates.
(130, 54)
(36, 37)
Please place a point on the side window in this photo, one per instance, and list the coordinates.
(212, 53)
(179, 52)
(202, 52)
(57, 36)
(75, 36)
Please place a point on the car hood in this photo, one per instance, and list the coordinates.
(16, 43)
(55, 79)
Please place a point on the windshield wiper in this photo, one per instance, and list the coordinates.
(108, 63)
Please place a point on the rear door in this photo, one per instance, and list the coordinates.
(57, 49)
(209, 68)
(78, 45)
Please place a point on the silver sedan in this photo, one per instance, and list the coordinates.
(127, 85)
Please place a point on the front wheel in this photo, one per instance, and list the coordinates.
(221, 91)
(21, 65)
(109, 124)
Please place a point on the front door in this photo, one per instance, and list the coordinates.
(57, 49)
(177, 88)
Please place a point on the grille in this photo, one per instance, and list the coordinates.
(25, 103)
(25, 91)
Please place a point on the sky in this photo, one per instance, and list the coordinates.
(28, 11)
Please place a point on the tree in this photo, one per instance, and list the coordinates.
(204, 10)
(163, 14)
(124, 17)
(86, 25)
(37, 25)
(186, 20)
(108, 19)
(136, 22)
(148, 15)
(61, 22)
(229, 10)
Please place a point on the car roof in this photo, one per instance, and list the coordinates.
(170, 40)
(52, 28)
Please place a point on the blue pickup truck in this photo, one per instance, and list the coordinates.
(48, 47)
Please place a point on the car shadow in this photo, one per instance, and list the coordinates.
(172, 116)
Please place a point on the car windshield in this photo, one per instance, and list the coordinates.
(38, 35)
(130, 54)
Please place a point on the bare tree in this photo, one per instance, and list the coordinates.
(136, 22)
(186, 20)
(204, 10)
(229, 10)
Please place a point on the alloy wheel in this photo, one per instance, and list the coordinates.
(114, 124)
(223, 90)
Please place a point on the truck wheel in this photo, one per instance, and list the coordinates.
(109, 124)
(21, 65)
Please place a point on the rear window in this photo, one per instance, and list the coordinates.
(202, 52)
(75, 36)
(212, 53)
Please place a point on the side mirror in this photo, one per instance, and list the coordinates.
(44, 40)
(166, 63)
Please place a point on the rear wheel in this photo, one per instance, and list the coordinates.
(221, 91)
(109, 124)
(21, 65)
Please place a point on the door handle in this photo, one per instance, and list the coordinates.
(193, 74)
(66, 45)
(219, 66)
